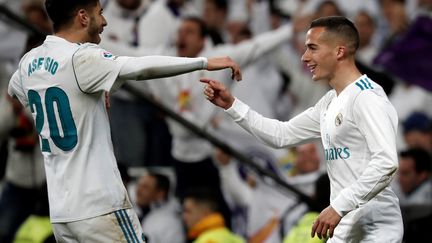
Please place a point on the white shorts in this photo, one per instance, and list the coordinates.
(119, 226)
(377, 222)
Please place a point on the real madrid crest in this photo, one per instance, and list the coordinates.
(339, 119)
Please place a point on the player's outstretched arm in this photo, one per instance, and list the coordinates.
(217, 93)
(151, 67)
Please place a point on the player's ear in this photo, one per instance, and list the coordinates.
(83, 17)
(342, 52)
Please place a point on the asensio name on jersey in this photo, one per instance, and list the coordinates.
(63, 90)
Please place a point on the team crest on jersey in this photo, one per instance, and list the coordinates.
(339, 119)
(107, 55)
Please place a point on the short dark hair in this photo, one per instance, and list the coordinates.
(220, 4)
(417, 121)
(201, 24)
(202, 195)
(342, 27)
(421, 157)
(61, 12)
(162, 182)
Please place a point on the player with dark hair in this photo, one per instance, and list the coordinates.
(357, 125)
(63, 81)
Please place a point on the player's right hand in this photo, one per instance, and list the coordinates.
(218, 63)
(217, 93)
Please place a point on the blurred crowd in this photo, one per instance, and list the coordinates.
(190, 190)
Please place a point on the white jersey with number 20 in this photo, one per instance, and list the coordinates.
(63, 83)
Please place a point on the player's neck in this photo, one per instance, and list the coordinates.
(343, 77)
(73, 36)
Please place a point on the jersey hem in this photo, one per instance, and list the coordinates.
(59, 221)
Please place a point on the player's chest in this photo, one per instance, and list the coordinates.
(336, 122)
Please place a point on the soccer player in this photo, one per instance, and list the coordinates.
(357, 125)
(63, 81)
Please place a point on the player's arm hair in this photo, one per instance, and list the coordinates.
(151, 67)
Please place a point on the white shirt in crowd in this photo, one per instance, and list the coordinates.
(163, 223)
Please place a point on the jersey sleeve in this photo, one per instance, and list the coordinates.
(377, 121)
(96, 69)
(303, 128)
(15, 89)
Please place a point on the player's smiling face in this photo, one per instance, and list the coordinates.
(320, 55)
(96, 24)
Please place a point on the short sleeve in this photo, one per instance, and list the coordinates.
(15, 89)
(96, 69)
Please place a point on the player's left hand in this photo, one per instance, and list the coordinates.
(326, 221)
(218, 63)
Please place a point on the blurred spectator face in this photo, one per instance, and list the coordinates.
(427, 4)
(366, 28)
(409, 178)
(190, 40)
(238, 32)
(417, 131)
(129, 4)
(307, 159)
(418, 139)
(213, 16)
(177, 2)
(147, 192)
(193, 212)
(328, 8)
(394, 13)
(35, 14)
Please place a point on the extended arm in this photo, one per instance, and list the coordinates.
(111, 71)
(151, 67)
(302, 128)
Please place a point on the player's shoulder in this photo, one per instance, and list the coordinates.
(368, 95)
(28, 55)
(366, 89)
(92, 50)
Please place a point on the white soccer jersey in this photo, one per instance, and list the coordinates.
(63, 84)
(358, 132)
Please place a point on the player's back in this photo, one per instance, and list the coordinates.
(82, 175)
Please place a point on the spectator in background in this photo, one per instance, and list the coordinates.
(414, 177)
(124, 16)
(301, 231)
(160, 214)
(215, 16)
(366, 27)
(35, 13)
(270, 212)
(24, 192)
(418, 131)
(263, 96)
(395, 15)
(203, 221)
(128, 117)
(159, 25)
(328, 8)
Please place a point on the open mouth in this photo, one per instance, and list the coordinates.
(312, 68)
